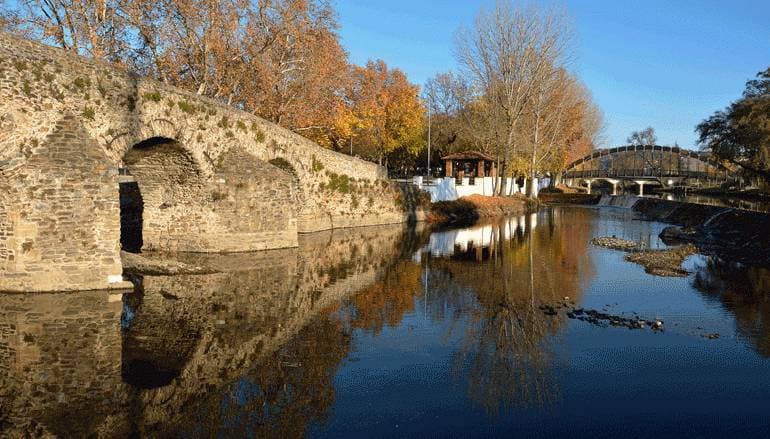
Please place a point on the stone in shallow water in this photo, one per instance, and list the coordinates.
(616, 243)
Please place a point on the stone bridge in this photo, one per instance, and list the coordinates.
(92, 156)
(642, 164)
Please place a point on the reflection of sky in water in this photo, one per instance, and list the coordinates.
(421, 376)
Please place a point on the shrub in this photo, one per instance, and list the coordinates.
(154, 96)
(340, 183)
(187, 107)
(101, 88)
(130, 102)
(218, 195)
(89, 113)
(81, 83)
(317, 166)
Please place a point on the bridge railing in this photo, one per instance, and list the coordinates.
(645, 173)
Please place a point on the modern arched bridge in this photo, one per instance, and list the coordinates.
(642, 164)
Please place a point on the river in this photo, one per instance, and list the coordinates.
(387, 331)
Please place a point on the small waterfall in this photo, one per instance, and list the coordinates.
(621, 201)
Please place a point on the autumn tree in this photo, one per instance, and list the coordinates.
(93, 29)
(381, 112)
(564, 124)
(6, 20)
(507, 55)
(514, 97)
(458, 121)
(740, 134)
(278, 59)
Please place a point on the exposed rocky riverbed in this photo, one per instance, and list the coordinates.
(666, 262)
(663, 262)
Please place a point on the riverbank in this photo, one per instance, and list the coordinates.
(568, 198)
(468, 210)
(740, 235)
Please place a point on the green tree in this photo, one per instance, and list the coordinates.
(740, 133)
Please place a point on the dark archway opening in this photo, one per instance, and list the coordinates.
(160, 196)
(132, 202)
(131, 216)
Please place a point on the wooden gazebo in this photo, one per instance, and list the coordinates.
(469, 164)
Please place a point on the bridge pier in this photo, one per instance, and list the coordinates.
(614, 184)
(641, 186)
(589, 182)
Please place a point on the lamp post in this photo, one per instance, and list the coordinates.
(429, 174)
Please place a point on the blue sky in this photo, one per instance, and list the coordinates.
(666, 64)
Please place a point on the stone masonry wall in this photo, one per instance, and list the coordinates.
(38, 84)
(194, 204)
(63, 204)
(246, 205)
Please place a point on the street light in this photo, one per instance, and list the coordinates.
(427, 105)
(429, 175)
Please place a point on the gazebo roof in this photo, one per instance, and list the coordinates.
(469, 155)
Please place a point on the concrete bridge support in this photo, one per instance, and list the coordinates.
(614, 184)
(641, 186)
(589, 182)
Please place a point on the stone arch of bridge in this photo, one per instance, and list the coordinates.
(160, 182)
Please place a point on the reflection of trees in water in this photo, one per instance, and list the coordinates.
(745, 292)
(507, 347)
(387, 301)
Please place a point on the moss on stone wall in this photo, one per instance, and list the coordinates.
(283, 164)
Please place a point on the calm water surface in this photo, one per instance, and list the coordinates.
(390, 332)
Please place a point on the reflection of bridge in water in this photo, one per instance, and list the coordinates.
(647, 164)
